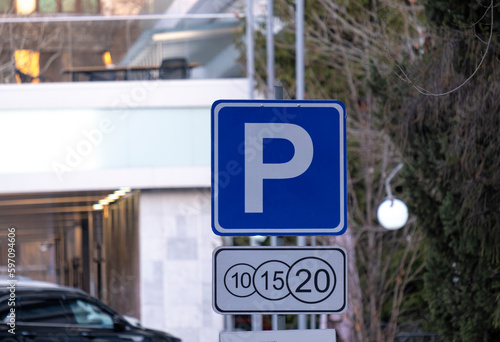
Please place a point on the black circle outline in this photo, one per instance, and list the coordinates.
(318, 301)
(285, 283)
(230, 268)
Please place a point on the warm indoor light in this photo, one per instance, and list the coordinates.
(27, 62)
(97, 206)
(106, 58)
(103, 202)
(25, 6)
(392, 214)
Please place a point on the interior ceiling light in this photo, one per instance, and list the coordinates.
(193, 34)
(112, 197)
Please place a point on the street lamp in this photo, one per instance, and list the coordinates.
(392, 213)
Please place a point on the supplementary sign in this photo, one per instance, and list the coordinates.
(315, 335)
(278, 168)
(279, 280)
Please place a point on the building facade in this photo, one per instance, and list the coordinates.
(107, 179)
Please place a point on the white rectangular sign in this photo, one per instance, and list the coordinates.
(324, 335)
(279, 280)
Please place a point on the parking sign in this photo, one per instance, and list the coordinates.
(278, 167)
(279, 280)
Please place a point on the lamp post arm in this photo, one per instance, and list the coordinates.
(389, 178)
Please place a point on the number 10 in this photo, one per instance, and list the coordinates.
(245, 280)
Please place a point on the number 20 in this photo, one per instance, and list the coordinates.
(300, 288)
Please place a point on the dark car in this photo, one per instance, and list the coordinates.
(38, 312)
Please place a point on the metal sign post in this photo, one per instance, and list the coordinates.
(279, 168)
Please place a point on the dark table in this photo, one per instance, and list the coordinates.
(93, 72)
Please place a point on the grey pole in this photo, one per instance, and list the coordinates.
(250, 48)
(299, 48)
(301, 319)
(313, 317)
(256, 318)
(228, 319)
(270, 48)
(278, 322)
(299, 66)
(278, 93)
(228, 322)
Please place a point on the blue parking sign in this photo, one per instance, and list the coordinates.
(278, 167)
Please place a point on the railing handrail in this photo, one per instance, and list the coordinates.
(77, 18)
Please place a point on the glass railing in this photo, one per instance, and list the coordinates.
(37, 49)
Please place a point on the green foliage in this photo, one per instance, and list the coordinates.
(451, 146)
(462, 14)
(350, 46)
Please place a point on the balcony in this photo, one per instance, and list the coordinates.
(38, 49)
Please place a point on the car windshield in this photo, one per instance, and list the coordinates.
(87, 313)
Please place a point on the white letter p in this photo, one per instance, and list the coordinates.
(255, 169)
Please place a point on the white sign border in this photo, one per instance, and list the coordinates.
(277, 248)
(278, 231)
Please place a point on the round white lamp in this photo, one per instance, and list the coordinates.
(392, 214)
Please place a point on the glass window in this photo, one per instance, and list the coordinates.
(41, 310)
(69, 6)
(5, 309)
(87, 313)
(5, 6)
(90, 6)
(47, 6)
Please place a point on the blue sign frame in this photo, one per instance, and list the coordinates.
(278, 167)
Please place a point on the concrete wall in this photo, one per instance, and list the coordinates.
(103, 135)
(175, 237)
(176, 244)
